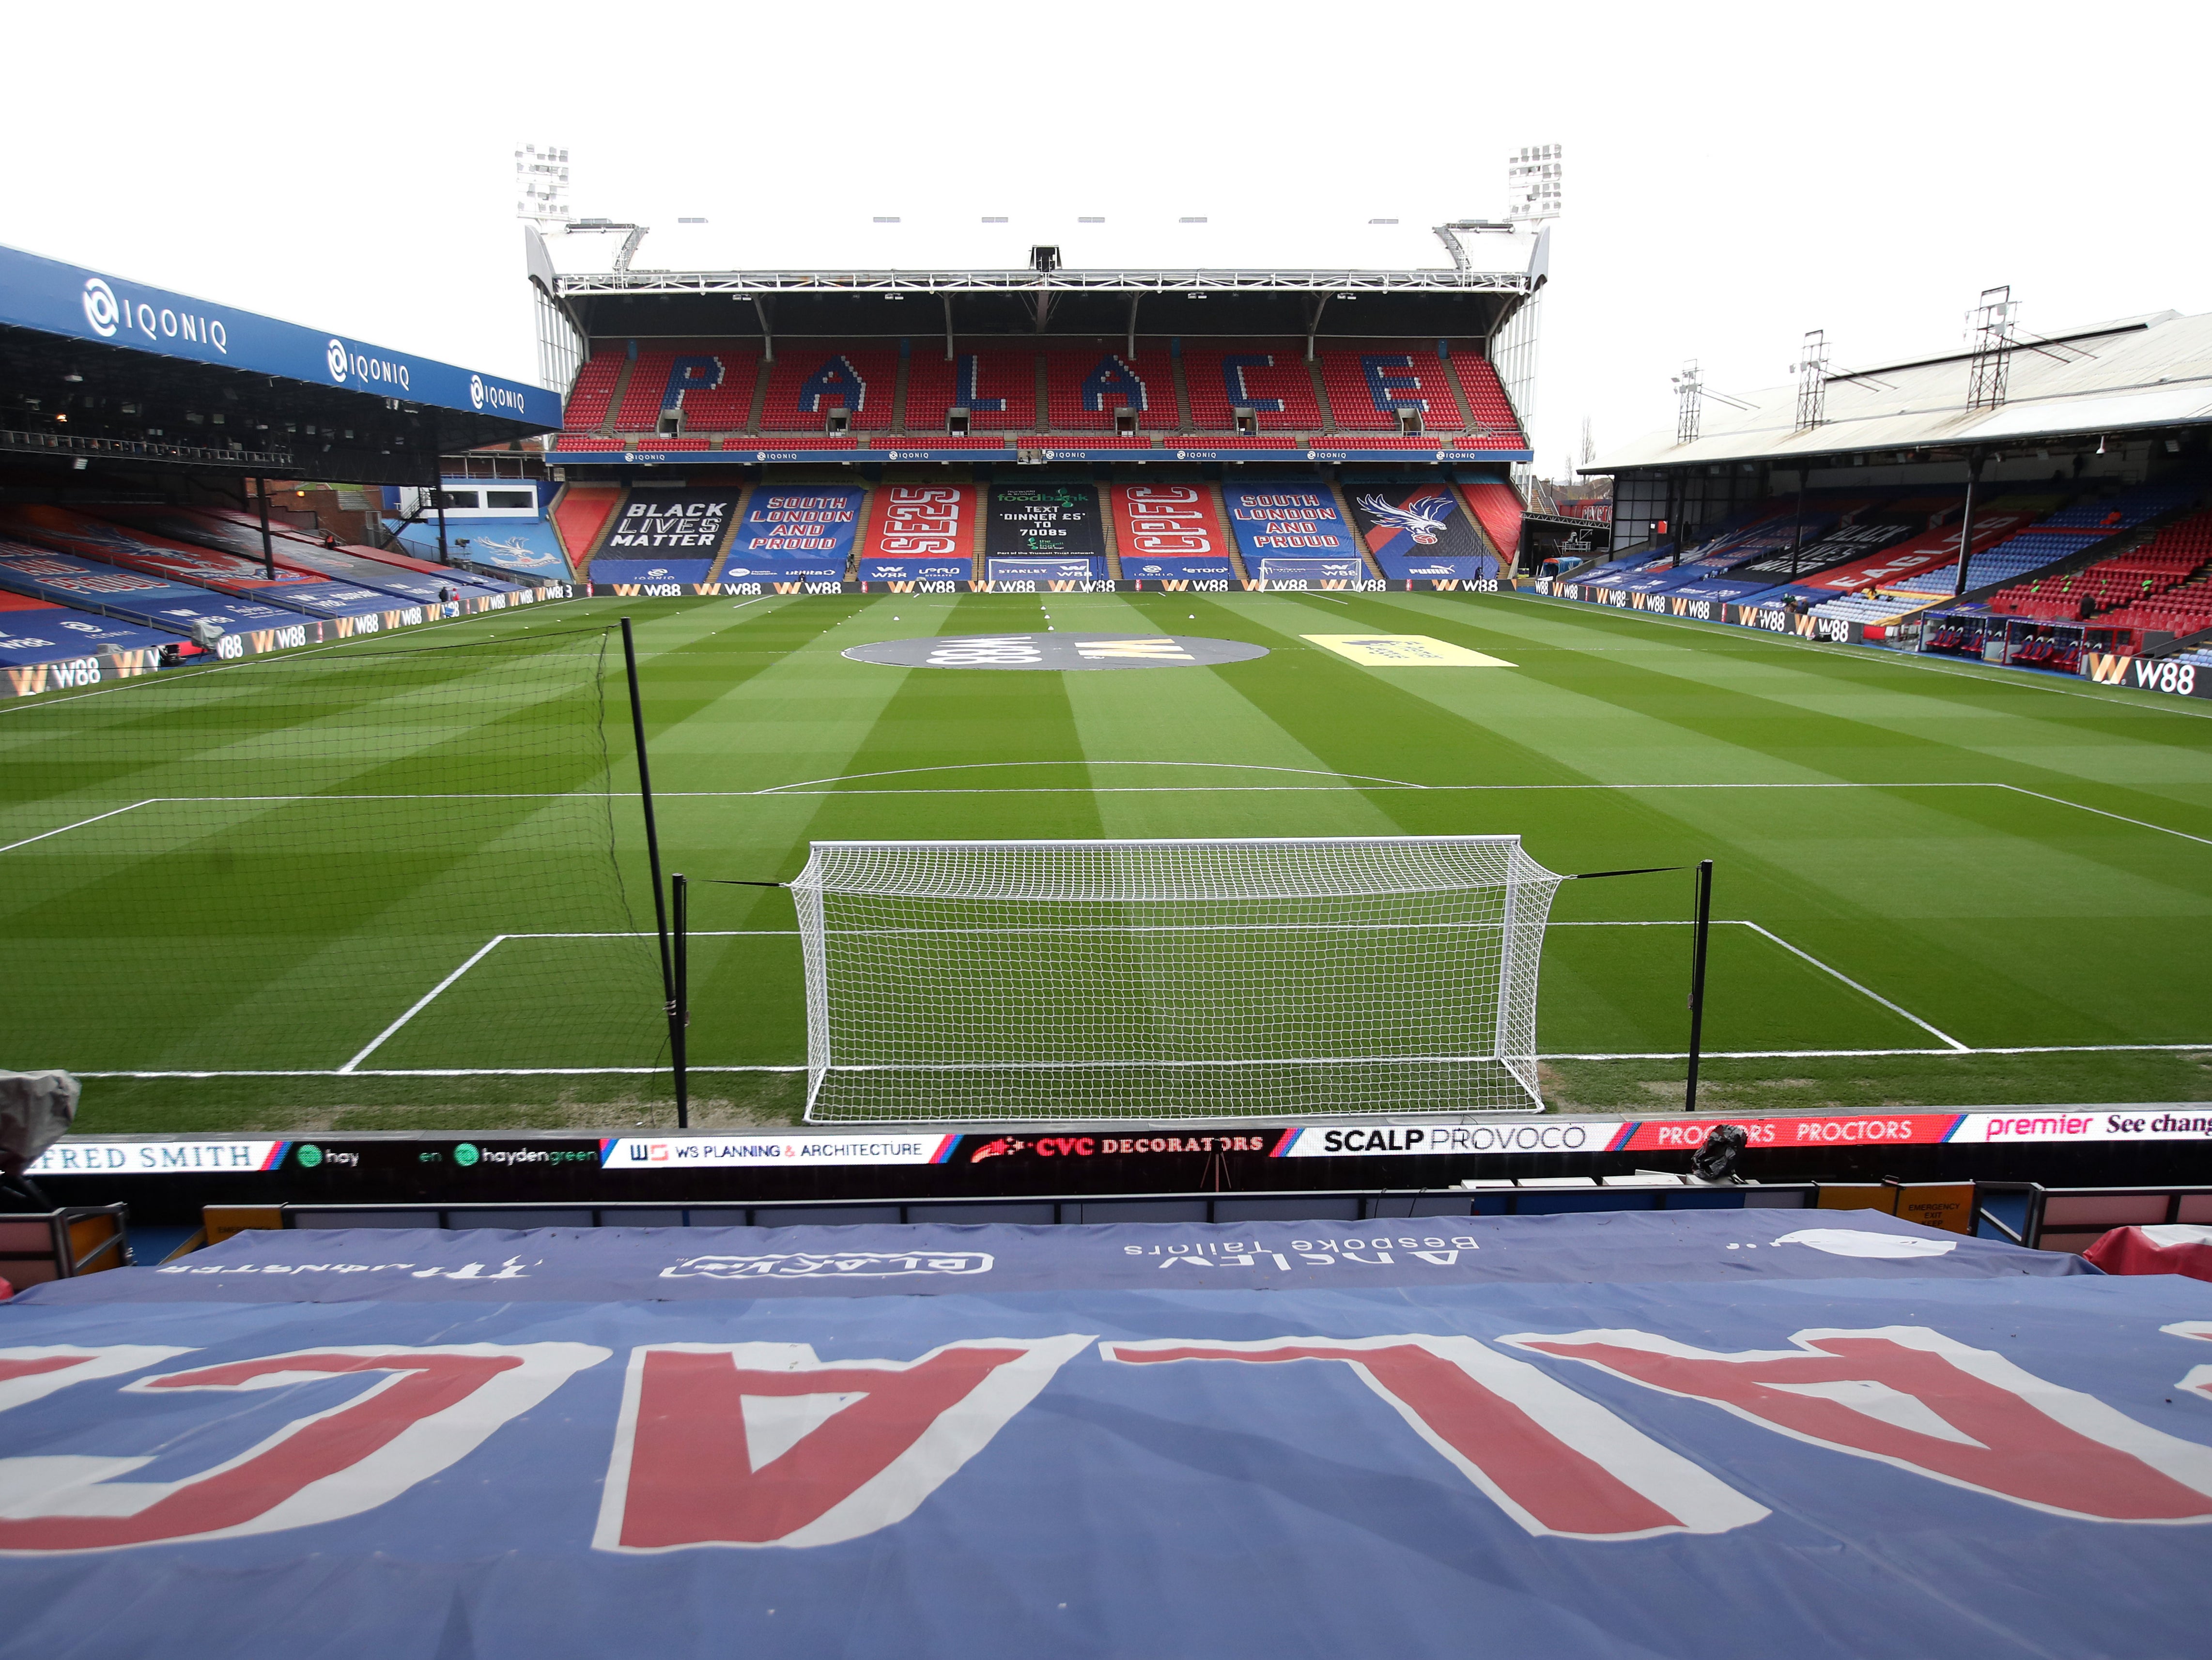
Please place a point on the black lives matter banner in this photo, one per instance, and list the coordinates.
(672, 523)
(1043, 521)
(667, 535)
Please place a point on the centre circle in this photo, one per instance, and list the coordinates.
(1055, 650)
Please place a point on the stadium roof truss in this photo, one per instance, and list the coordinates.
(748, 283)
(2139, 376)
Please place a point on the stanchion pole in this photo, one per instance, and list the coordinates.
(1699, 930)
(680, 896)
(651, 841)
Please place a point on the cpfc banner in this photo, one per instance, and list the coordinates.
(1169, 529)
(1045, 521)
(1939, 1465)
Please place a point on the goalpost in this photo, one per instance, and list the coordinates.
(964, 980)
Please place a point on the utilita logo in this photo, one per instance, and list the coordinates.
(106, 316)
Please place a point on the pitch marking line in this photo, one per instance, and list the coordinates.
(352, 1066)
(423, 1002)
(1541, 1055)
(81, 823)
(802, 789)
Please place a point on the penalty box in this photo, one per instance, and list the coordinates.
(1606, 988)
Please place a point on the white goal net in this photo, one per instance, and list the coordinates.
(955, 980)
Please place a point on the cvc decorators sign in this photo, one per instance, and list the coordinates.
(58, 298)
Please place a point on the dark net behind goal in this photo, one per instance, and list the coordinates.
(375, 860)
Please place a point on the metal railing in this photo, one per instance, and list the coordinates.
(138, 448)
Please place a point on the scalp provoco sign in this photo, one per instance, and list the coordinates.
(1056, 650)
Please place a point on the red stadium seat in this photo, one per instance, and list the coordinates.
(998, 389)
(807, 383)
(1267, 377)
(1368, 385)
(587, 408)
(1083, 390)
(1487, 402)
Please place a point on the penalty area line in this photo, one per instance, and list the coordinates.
(79, 824)
(422, 1003)
(1541, 1055)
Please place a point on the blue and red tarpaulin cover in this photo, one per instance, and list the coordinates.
(1714, 1434)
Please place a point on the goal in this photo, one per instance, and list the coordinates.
(1156, 980)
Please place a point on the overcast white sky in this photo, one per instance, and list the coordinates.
(1736, 174)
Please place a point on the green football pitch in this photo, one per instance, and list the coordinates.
(232, 903)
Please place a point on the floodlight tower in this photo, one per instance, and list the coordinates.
(1993, 322)
(541, 184)
(1532, 186)
(1689, 403)
(1812, 368)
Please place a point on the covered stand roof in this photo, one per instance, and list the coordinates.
(98, 367)
(2138, 374)
(1282, 276)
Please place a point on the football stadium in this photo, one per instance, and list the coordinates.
(850, 978)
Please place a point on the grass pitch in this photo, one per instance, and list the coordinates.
(1936, 884)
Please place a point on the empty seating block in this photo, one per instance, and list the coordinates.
(1083, 389)
(996, 388)
(587, 408)
(807, 383)
(713, 388)
(641, 406)
(1270, 380)
(1486, 400)
(1367, 388)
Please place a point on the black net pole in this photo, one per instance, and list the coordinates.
(1699, 931)
(680, 899)
(652, 840)
(268, 552)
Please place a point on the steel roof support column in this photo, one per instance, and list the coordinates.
(1974, 462)
(1313, 323)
